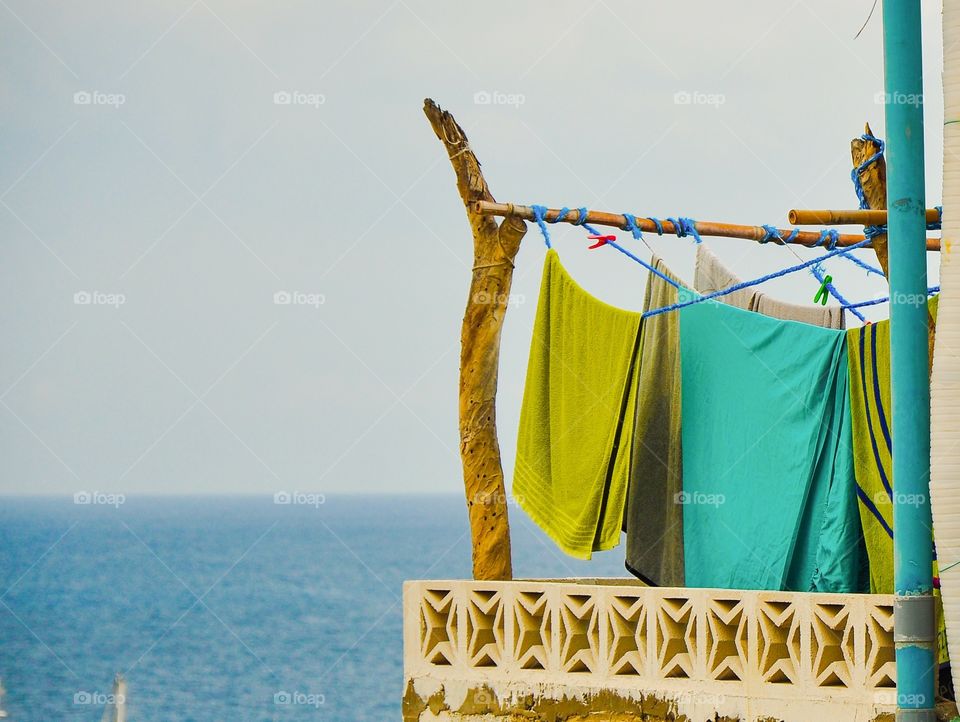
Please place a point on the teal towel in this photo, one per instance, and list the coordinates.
(768, 481)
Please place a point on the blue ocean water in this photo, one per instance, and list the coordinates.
(228, 608)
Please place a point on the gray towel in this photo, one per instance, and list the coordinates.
(711, 275)
(653, 518)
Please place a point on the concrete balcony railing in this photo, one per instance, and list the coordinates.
(488, 650)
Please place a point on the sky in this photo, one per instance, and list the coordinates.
(235, 260)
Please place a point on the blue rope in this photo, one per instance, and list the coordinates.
(582, 221)
(658, 224)
(817, 271)
(632, 226)
(684, 227)
(863, 264)
(754, 282)
(829, 237)
(643, 263)
(871, 231)
(538, 213)
(868, 231)
(855, 173)
(772, 233)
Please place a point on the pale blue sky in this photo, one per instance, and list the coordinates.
(185, 191)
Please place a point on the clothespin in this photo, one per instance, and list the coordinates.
(600, 241)
(822, 293)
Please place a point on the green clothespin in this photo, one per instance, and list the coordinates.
(822, 294)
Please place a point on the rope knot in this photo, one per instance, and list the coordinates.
(538, 214)
(631, 225)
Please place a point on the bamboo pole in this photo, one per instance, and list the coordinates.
(494, 249)
(704, 228)
(866, 217)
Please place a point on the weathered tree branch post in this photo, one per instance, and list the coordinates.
(494, 249)
(874, 182)
(873, 178)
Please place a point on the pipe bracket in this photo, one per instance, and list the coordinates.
(913, 619)
(916, 715)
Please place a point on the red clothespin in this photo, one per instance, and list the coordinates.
(600, 241)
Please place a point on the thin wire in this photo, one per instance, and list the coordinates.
(866, 22)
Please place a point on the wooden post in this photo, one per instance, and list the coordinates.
(874, 182)
(494, 249)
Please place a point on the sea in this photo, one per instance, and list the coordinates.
(228, 608)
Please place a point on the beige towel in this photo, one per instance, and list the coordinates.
(711, 275)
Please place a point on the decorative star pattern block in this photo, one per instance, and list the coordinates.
(696, 643)
(485, 629)
(832, 645)
(579, 633)
(676, 637)
(726, 639)
(627, 636)
(881, 666)
(779, 637)
(438, 626)
(532, 631)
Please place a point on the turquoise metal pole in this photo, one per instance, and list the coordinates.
(914, 621)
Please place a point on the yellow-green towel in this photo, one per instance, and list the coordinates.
(576, 422)
(868, 350)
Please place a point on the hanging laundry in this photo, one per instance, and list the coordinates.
(576, 421)
(711, 275)
(653, 521)
(768, 479)
(869, 368)
(830, 555)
